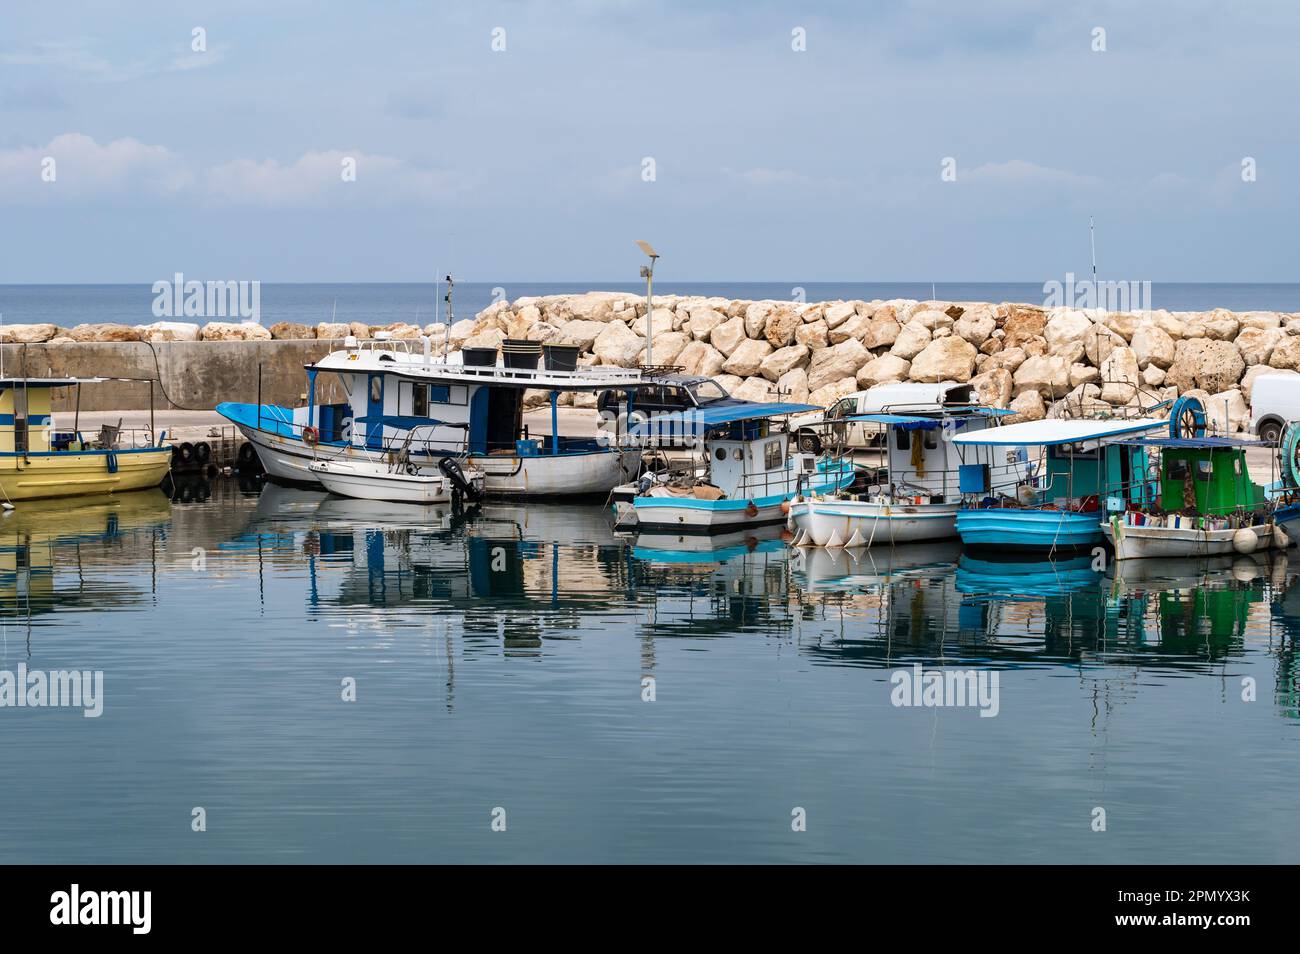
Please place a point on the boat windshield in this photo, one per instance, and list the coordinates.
(707, 391)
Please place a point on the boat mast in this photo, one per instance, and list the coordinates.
(1092, 241)
(446, 337)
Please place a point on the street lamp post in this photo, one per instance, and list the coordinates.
(648, 273)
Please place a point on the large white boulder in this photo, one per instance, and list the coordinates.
(951, 358)
(836, 363)
(618, 345)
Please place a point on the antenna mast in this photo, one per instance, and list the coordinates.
(1092, 240)
(446, 337)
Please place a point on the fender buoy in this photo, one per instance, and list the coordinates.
(751, 510)
(310, 436)
(785, 507)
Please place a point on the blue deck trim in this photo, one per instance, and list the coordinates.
(88, 452)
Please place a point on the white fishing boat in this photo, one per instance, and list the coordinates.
(398, 481)
(917, 493)
(748, 479)
(467, 406)
(1198, 500)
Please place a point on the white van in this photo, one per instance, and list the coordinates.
(829, 427)
(1274, 403)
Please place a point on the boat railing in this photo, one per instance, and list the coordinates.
(771, 482)
(108, 437)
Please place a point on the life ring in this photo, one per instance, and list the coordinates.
(751, 509)
(1187, 418)
(310, 436)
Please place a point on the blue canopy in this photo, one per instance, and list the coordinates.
(706, 418)
(406, 421)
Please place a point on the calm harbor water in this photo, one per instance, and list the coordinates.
(499, 660)
(384, 303)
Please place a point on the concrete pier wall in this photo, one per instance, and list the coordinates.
(195, 375)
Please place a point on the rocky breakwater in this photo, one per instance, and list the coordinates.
(1039, 362)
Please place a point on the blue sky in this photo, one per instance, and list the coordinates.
(527, 163)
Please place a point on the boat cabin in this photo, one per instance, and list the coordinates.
(393, 394)
(26, 412)
(1206, 475)
(1076, 464)
(920, 461)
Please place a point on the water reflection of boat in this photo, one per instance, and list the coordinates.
(695, 548)
(1025, 579)
(44, 540)
(819, 568)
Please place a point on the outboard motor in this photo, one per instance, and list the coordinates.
(451, 470)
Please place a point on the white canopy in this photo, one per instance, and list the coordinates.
(1049, 432)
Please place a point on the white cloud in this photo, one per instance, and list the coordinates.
(317, 178)
(1023, 172)
(85, 170)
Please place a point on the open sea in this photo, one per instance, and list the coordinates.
(324, 680)
(385, 303)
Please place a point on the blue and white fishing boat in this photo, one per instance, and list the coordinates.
(748, 475)
(915, 495)
(400, 399)
(1076, 467)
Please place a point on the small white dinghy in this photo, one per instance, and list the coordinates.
(377, 479)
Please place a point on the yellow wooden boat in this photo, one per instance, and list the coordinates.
(38, 462)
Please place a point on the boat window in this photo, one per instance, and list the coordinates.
(1072, 452)
(720, 453)
(772, 455)
(902, 439)
(420, 400)
(931, 438)
(1204, 468)
(1176, 470)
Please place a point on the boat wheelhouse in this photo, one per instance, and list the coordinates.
(1197, 499)
(399, 400)
(1076, 466)
(746, 478)
(915, 494)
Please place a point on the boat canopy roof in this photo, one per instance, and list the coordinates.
(53, 382)
(1194, 443)
(1048, 433)
(718, 414)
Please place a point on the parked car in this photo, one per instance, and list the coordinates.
(830, 427)
(1274, 403)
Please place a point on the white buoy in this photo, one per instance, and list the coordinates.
(1245, 540)
(1280, 538)
(1245, 569)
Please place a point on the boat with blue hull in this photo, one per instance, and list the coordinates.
(1077, 470)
